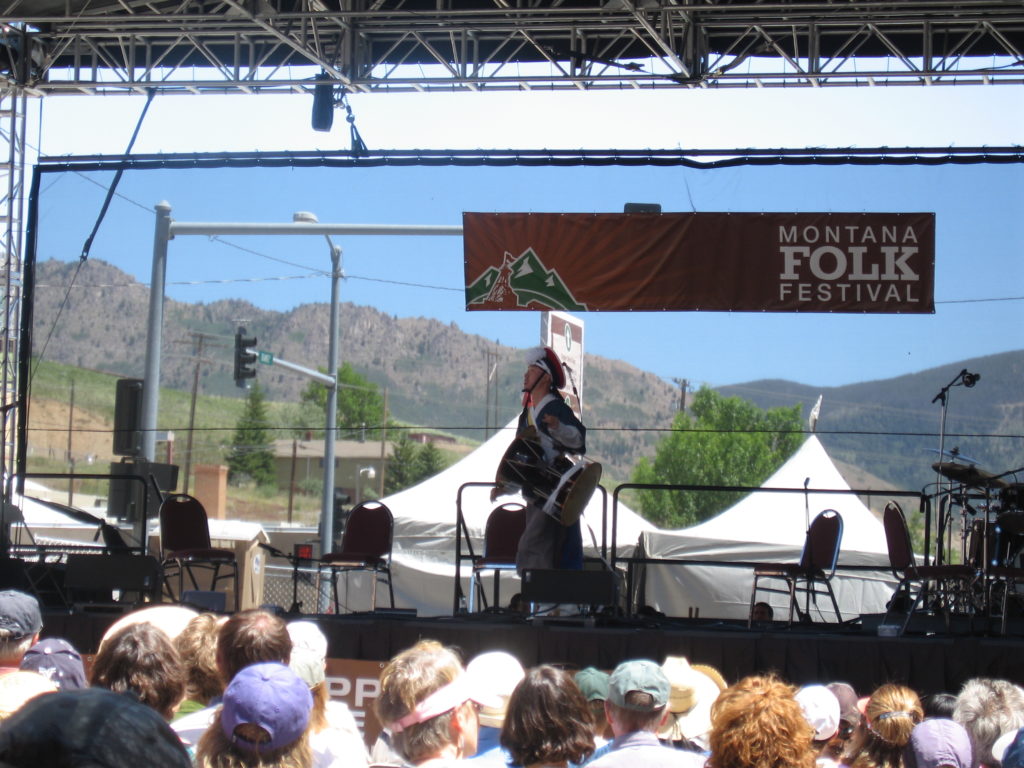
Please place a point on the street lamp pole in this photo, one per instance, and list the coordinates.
(327, 508)
(370, 473)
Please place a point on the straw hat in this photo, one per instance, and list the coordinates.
(692, 693)
(17, 688)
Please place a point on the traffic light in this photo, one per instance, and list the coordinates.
(245, 358)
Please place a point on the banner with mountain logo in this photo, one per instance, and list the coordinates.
(752, 262)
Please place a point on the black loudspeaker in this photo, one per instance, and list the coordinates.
(576, 587)
(128, 498)
(323, 104)
(128, 417)
(94, 578)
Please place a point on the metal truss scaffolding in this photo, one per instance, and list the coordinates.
(12, 167)
(190, 46)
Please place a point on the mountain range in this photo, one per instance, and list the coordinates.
(436, 376)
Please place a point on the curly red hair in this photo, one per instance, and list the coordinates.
(757, 723)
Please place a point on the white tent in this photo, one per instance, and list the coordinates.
(426, 527)
(769, 526)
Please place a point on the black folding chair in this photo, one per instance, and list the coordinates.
(813, 574)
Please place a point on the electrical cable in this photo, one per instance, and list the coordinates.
(150, 93)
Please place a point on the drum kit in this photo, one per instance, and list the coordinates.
(992, 520)
(563, 488)
(993, 510)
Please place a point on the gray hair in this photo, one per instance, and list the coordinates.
(12, 651)
(989, 708)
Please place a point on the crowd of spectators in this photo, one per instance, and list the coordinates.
(186, 689)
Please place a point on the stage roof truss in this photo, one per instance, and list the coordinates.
(218, 46)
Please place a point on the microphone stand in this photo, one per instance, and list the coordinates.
(807, 506)
(296, 606)
(942, 397)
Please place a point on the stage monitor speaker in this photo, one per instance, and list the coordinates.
(576, 587)
(205, 600)
(128, 417)
(94, 578)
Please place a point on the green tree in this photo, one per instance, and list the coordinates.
(429, 461)
(411, 464)
(402, 467)
(360, 403)
(251, 456)
(728, 441)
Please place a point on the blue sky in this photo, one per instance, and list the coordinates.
(980, 210)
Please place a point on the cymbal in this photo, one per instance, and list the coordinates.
(953, 455)
(968, 475)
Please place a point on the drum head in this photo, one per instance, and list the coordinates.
(522, 466)
(1012, 497)
(1012, 522)
(580, 493)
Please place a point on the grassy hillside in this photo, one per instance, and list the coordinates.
(890, 427)
(434, 373)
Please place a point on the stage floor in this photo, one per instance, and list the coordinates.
(927, 662)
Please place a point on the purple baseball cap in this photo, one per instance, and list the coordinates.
(939, 742)
(271, 696)
(57, 660)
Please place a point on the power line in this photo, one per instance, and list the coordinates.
(320, 274)
(355, 429)
(832, 403)
(229, 280)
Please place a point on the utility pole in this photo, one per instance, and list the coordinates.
(491, 407)
(291, 481)
(199, 339)
(684, 386)
(71, 456)
(383, 448)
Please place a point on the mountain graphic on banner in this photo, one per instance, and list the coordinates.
(521, 283)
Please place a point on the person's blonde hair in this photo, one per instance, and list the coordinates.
(757, 723)
(216, 750)
(197, 647)
(891, 714)
(408, 679)
(318, 714)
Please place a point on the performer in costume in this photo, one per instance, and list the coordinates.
(546, 543)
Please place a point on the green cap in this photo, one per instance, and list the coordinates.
(593, 683)
(640, 675)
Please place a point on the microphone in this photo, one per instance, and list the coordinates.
(272, 550)
(970, 379)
